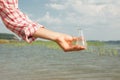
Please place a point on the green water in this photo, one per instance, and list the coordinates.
(40, 63)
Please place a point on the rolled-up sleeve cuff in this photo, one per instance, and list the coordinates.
(28, 31)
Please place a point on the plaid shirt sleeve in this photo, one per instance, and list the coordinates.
(16, 21)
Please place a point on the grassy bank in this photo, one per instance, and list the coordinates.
(49, 44)
(98, 47)
(3, 41)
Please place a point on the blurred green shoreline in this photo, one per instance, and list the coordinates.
(43, 42)
(99, 47)
(49, 44)
(6, 38)
(21, 42)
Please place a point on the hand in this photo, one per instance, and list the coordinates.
(66, 43)
(63, 40)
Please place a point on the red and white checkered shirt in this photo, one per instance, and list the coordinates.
(16, 21)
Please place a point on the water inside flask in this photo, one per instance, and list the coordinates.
(81, 39)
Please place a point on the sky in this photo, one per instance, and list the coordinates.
(99, 19)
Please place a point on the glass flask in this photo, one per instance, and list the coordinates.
(81, 39)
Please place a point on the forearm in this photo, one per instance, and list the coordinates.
(46, 34)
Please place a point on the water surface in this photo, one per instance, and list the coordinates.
(41, 63)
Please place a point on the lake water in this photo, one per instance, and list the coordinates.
(41, 63)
